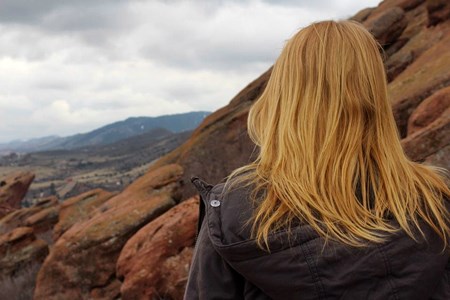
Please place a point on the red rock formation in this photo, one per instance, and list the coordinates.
(386, 25)
(429, 140)
(19, 249)
(79, 208)
(17, 218)
(44, 220)
(12, 190)
(83, 259)
(429, 110)
(154, 262)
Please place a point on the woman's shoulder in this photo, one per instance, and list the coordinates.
(228, 210)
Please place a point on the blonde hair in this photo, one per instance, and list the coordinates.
(325, 129)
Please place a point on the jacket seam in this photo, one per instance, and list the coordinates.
(313, 270)
(389, 273)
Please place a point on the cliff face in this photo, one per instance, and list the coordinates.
(137, 244)
(415, 35)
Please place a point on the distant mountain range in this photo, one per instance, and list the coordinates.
(110, 133)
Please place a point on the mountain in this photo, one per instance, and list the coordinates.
(110, 133)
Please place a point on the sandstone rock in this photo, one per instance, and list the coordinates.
(83, 259)
(440, 158)
(429, 140)
(438, 11)
(395, 67)
(12, 190)
(19, 249)
(107, 292)
(406, 5)
(427, 74)
(154, 261)
(17, 218)
(429, 110)
(387, 26)
(79, 208)
(44, 220)
(362, 15)
(414, 47)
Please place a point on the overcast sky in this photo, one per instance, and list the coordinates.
(72, 66)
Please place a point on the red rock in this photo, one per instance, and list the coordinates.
(153, 262)
(395, 67)
(83, 259)
(429, 140)
(19, 249)
(387, 25)
(427, 74)
(12, 190)
(440, 158)
(79, 208)
(17, 218)
(44, 220)
(109, 291)
(414, 47)
(429, 110)
(438, 11)
(362, 15)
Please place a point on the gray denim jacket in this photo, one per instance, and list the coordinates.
(227, 264)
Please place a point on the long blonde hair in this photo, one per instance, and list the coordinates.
(325, 129)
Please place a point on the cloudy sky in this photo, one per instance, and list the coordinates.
(70, 66)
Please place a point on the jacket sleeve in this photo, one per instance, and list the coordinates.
(210, 277)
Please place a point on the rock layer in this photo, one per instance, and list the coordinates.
(20, 249)
(79, 208)
(12, 190)
(154, 262)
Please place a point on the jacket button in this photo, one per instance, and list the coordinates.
(215, 203)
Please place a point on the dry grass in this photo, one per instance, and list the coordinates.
(21, 286)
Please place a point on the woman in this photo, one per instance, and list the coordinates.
(331, 208)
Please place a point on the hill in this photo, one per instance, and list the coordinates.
(109, 133)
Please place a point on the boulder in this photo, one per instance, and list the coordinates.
(12, 190)
(155, 261)
(44, 220)
(428, 140)
(19, 249)
(387, 25)
(17, 218)
(79, 208)
(83, 259)
(429, 110)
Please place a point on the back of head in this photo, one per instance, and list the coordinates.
(325, 130)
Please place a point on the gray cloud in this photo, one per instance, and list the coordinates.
(70, 66)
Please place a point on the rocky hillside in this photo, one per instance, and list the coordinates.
(137, 244)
